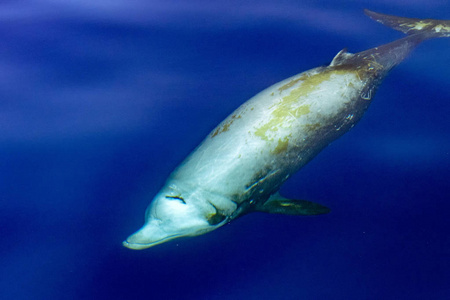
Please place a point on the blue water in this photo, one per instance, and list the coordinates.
(101, 100)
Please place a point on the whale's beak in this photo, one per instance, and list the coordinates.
(149, 235)
(134, 246)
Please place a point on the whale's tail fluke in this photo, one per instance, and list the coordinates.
(429, 27)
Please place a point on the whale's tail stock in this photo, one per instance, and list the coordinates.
(428, 28)
(389, 55)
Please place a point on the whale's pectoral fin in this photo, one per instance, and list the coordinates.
(280, 205)
(294, 207)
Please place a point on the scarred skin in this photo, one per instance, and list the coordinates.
(243, 162)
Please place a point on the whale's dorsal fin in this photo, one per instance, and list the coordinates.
(277, 204)
(341, 57)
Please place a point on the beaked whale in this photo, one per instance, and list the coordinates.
(242, 163)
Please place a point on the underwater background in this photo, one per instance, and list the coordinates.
(101, 100)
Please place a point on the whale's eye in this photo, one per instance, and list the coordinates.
(177, 198)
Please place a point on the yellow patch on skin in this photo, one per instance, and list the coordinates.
(417, 25)
(289, 107)
(281, 114)
(441, 28)
(282, 146)
(292, 82)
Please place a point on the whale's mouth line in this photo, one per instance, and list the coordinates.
(137, 246)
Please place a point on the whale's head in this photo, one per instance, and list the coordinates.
(173, 215)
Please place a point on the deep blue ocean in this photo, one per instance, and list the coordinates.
(101, 100)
